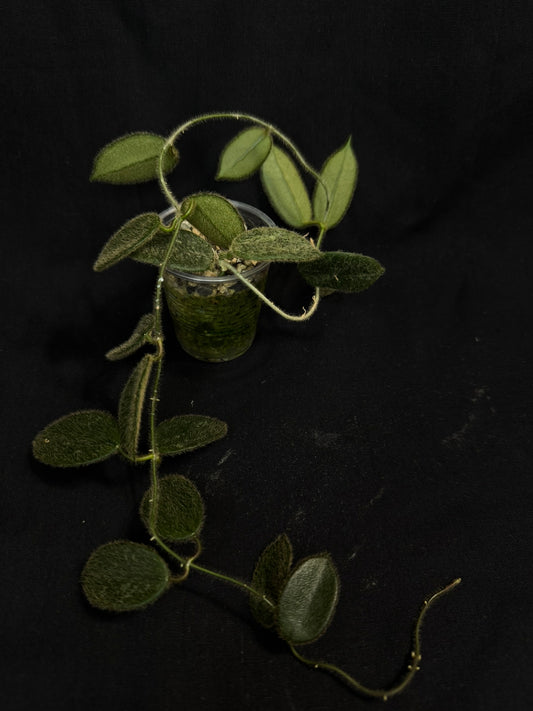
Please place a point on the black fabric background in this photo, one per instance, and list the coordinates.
(393, 430)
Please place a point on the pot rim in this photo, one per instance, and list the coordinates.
(200, 278)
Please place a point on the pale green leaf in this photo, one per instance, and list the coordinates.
(191, 253)
(80, 438)
(130, 407)
(122, 576)
(184, 433)
(215, 217)
(308, 600)
(342, 271)
(127, 239)
(285, 188)
(273, 244)
(132, 158)
(138, 338)
(339, 174)
(269, 576)
(244, 154)
(180, 509)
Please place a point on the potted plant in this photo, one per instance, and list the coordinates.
(219, 250)
(296, 599)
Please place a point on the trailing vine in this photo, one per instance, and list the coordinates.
(295, 599)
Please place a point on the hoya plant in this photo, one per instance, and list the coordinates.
(219, 241)
(296, 599)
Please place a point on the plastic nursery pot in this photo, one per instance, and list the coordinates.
(215, 317)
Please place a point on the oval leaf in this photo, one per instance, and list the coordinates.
(191, 252)
(339, 174)
(269, 576)
(127, 239)
(215, 217)
(273, 244)
(138, 338)
(244, 154)
(180, 509)
(342, 271)
(130, 406)
(185, 433)
(308, 600)
(80, 438)
(122, 576)
(285, 188)
(132, 158)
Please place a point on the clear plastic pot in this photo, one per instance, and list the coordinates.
(215, 318)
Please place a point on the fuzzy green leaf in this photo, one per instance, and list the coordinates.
(130, 407)
(138, 338)
(308, 600)
(180, 509)
(132, 158)
(80, 438)
(339, 173)
(127, 239)
(285, 188)
(273, 244)
(215, 217)
(269, 576)
(122, 576)
(191, 252)
(342, 271)
(244, 154)
(185, 433)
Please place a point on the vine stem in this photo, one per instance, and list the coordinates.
(233, 581)
(289, 317)
(158, 359)
(412, 668)
(237, 116)
(154, 456)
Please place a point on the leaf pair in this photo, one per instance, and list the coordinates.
(332, 195)
(122, 576)
(300, 602)
(145, 239)
(222, 225)
(91, 436)
(179, 434)
(253, 149)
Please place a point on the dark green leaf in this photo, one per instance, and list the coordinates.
(273, 244)
(127, 239)
(122, 576)
(339, 173)
(138, 338)
(215, 217)
(269, 577)
(184, 433)
(130, 407)
(244, 154)
(79, 438)
(191, 252)
(132, 159)
(180, 509)
(285, 188)
(308, 600)
(342, 271)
